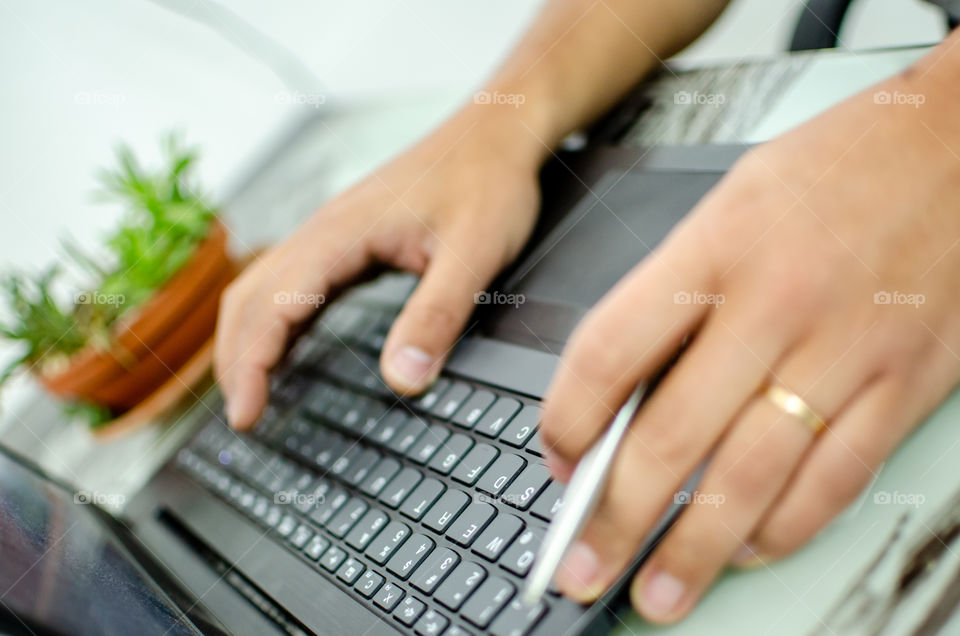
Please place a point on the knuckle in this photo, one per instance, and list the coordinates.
(431, 317)
(591, 359)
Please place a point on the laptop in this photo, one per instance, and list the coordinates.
(350, 510)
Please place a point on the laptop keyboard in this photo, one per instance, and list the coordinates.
(428, 510)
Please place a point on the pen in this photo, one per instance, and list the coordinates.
(581, 496)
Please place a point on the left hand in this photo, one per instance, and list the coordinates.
(830, 257)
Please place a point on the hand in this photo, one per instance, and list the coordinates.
(454, 209)
(826, 263)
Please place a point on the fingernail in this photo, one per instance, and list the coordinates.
(412, 365)
(747, 557)
(230, 410)
(661, 595)
(578, 570)
(559, 468)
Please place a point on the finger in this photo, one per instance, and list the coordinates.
(258, 311)
(436, 313)
(840, 465)
(750, 467)
(674, 432)
(624, 339)
(748, 472)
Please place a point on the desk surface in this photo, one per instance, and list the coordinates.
(845, 581)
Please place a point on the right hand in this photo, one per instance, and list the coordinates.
(454, 209)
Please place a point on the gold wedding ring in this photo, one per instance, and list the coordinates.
(793, 404)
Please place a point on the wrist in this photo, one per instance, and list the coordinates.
(509, 124)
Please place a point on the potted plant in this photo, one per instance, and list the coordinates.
(149, 301)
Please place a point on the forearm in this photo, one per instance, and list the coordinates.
(580, 57)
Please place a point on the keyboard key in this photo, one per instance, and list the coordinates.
(435, 569)
(451, 453)
(431, 624)
(311, 499)
(535, 445)
(361, 467)
(473, 465)
(349, 455)
(525, 488)
(317, 546)
(332, 558)
(432, 395)
(519, 557)
(400, 487)
(483, 605)
(273, 517)
(350, 571)
(427, 445)
(388, 426)
(388, 597)
(450, 505)
(461, 583)
(548, 504)
(286, 526)
(517, 619)
(301, 535)
(387, 542)
(332, 449)
(371, 418)
(422, 498)
(317, 403)
(348, 515)
(333, 501)
(456, 630)
(356, 414)
(498, 535)
(366, 529)
(497, 416)
(412, 554)
(465, 530)
(448, 404)
(409, 611)
(522, 426)
(379, 476)
(260, 507)
(407, 436)
(501, 473)
(368, 584)
(473, 409)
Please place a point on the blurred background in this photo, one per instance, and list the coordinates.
(235, 75)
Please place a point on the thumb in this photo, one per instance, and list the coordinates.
(433, 318)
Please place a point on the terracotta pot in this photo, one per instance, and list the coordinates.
(154, 341)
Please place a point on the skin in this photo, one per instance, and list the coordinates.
(792, 245)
